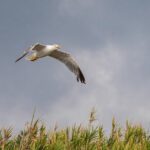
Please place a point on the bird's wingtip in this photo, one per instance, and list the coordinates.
(81, 77)
(25, 53)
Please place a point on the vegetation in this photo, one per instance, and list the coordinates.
(35, 136)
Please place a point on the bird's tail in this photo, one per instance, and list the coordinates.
(32, 57)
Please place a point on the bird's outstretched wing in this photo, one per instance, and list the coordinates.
(70, 63)
(24, 54)
(38, 47)
(35, 47)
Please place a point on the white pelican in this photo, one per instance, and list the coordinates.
(40, 50)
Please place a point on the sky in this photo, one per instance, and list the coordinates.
(109, 39)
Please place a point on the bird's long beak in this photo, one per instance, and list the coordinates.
(25, 53)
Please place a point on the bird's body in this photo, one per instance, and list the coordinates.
(40, 51)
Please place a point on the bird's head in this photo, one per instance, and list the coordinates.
(57, 46)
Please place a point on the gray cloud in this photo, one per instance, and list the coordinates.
(110, 40)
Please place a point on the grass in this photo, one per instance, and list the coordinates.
(35, 136)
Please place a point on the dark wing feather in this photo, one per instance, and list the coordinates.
(70, 63)
(25, 53)
(36, 47)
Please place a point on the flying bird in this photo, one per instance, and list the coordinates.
(40, 51)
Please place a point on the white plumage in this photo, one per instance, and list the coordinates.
(39, 51)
